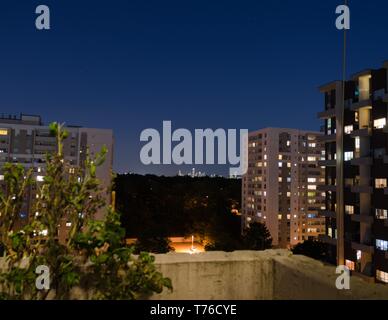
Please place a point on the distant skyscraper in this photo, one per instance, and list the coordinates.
(280, 188)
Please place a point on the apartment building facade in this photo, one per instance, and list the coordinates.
(26, 140)
(281, 186)
(356, 172)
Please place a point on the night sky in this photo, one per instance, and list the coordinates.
(130, 64)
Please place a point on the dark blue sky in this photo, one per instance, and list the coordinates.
(129, 64)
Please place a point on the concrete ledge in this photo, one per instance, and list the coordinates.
(252, 275)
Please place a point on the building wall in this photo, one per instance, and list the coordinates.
(278, 189)
(26, 140)
(356, 222)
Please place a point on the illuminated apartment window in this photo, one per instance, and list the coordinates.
(265, 157)
(357, 143)
(311, 158)
(288, 217)
(382, 276)
(40, 178)
(279, 217)
(288, 164)
(348, 155)
(382, 245)
(280, 164)
(312, 187)
(349, 209)
(288, 194)
(68, 224)
(350, 264)
(1, 177)
(3, 132)
(288, 143)
(312, 180)
(380, 123)
(380, 183)
(348, 129)
(330, 232)
(359, 255)
(280, 179)
(280, 157)
(381, 214)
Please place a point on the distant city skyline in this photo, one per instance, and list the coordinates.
(130, 65)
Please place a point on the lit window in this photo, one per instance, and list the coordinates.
(382, 276)
(348, 129)
(330, 232)
(380, 123)
(1, 177)
(312, 180)
(3, 132)
(279, 217)
(280, 164)
(288, 194)
(280, 157)
(40, 178)
(348, 155)
(68, 224)
(381, 214)
(359, 255)
(349, 209)
(380, 183)
(312, 187)
(280, 179)
(288, 143)
(382, 245)
(350, 264)
(357, 143)
(311, 158)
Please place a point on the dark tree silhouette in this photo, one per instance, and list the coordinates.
(153, 245)
(312, 248)
(257, 237)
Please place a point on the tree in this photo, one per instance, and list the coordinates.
(311, 248)
(153, 244)
(94, 257)
(257, 237)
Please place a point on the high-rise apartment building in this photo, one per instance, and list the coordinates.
(26, 140)
(356, 139)
(281, 186)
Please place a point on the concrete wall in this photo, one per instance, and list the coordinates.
(251, 275)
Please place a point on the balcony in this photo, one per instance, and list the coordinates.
(327, 188)
(327, 163)
(327, 138)
(363, 247)
(362, 161)
(363, 132)
(327, 214)
(329, 113)
(362, 189)
(361, 104)
(362, 218)
(326, 239)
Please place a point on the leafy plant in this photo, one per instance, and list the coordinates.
(92, 256)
